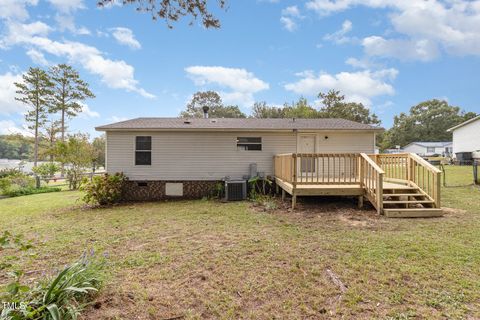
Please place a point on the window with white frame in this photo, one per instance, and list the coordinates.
(430, 149)
(143, 151)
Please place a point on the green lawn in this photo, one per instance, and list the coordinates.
(204, 259)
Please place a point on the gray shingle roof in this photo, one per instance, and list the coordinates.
(236, 124)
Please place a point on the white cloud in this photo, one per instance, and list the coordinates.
(67, 22)
(10, 127)
(87, 112)
(423, 27)
(37, 57)
(116, 74)
(8, 104)
(67, 6)
(243, 84)
(125, 36)
(20, 32)
(360, 63)
(359, 86)
(340, 36)
(117, 119)
(422, 49)
(15, 9)
(289, 18)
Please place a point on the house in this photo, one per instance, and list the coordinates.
(466, 136)
(177, 157)
(201, 152)
(426, 149)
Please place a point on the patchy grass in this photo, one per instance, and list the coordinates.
(204, 259)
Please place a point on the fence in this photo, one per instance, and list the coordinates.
(59, 181)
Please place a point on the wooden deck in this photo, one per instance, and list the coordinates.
(408, 187)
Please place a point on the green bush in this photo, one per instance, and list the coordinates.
(30, 190)
(104, 190)
(46, 170)
(16, 182)
(8, 172)
(62, 297)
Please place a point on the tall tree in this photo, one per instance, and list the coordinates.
(300, 109)
(334, 106)
(69, 91)
(427, 121)
(262, 110)
(213, 101)
(173, 10)
(35, 91)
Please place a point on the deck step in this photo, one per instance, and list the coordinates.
(406, 201)
(386, 195)
(413, 213)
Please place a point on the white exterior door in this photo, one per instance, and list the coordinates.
(307, 144)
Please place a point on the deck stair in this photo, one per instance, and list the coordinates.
(408, 202)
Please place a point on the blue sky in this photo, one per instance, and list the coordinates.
(386, 54)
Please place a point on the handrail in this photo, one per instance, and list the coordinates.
(371, 178)
(424, 163)
(372, 163)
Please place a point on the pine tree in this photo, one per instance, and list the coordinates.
(69, 91)
(35, 91)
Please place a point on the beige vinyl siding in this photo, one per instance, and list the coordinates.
(354, 142)
(213, 155)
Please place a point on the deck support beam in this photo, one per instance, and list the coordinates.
(360, 202)
(294, 201)
(283, 195)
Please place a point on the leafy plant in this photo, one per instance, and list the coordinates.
(46, 170)
(104, 190)
(8, 172)
(16, 181)
(259, 186)
(60, 298)
(31, 190)
(9, 240)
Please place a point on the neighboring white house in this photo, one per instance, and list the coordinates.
(466, 136)
(152, 151)
(429, 148)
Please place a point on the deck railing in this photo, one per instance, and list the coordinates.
(371, 179)
(413, 169)
(317, 168)
(425, 176)
(394, 165)
(369, 171)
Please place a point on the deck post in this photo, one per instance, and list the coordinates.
(294, 200)
(360, 202)
(379, 193)
(283, 195)
(438, 190)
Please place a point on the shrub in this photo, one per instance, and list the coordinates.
(8, 172)
(104, 190)
(15, 182)
(30, 190)
(62, 297)
(46, 170)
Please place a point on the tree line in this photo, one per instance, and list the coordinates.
(426, 121)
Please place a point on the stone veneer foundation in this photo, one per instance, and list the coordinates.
(155, 190)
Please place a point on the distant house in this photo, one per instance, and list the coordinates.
(429, 148)
(466, 136)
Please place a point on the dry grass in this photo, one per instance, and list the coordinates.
(204, 259)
